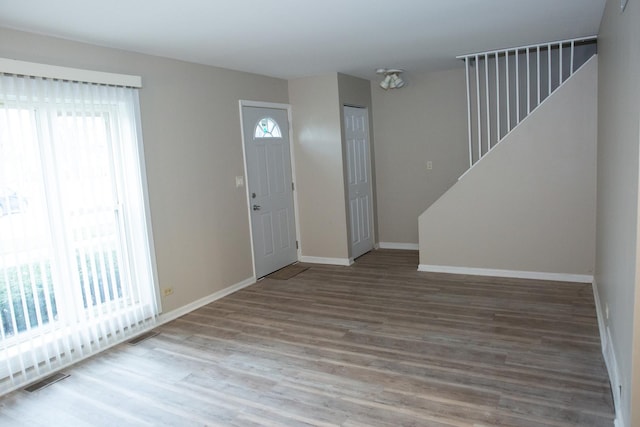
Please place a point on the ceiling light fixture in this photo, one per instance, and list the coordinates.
(392, 79)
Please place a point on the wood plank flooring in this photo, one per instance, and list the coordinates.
(374, 344)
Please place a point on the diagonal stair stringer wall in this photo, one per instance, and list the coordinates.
(528, 208)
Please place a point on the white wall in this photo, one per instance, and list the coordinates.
(319, 176)
(193, 151)
(424, 121)
(618, 170)
(529, 205)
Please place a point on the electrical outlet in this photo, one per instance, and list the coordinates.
(429, 165)
(167, 291)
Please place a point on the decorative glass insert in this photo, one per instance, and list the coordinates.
(267, 128)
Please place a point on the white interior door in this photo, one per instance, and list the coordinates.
(356, 124)
(270, 186)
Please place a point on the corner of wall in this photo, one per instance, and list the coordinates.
(618, 238)
(317, 140)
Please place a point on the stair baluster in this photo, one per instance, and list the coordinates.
(495, 108)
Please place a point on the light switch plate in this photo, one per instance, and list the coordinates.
(239, 181)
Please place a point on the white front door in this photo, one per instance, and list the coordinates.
(270, 187)
(359, 186)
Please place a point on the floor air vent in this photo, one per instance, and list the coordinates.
(51, 379)
(145, 336)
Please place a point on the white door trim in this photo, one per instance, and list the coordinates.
(287, 107)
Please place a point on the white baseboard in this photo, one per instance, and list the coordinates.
(330, 261)
(403, 246)
(611, 362)
(601, 321)
(610, 359)
(515, 274)
(174, 314)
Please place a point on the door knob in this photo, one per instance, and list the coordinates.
(256, 207)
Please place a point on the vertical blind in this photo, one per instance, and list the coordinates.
(75, 261)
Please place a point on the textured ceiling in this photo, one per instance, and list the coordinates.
(296, 38)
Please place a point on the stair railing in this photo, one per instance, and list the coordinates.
(504, 86)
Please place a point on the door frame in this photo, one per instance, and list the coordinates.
(374, 237)
(279, 106)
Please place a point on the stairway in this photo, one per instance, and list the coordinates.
(526, 207)
(505, 86)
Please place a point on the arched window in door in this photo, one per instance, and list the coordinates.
(267, 128)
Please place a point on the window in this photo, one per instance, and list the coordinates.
(267, 128)
(75, 260)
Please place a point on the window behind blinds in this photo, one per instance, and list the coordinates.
(76, 270)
